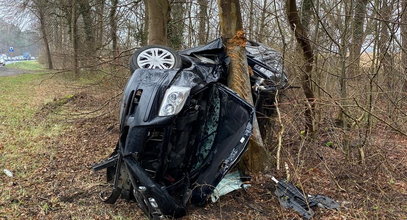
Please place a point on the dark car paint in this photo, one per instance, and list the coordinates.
(187, 163)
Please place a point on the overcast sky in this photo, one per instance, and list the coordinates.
(12, 14)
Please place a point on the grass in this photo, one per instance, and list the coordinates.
(26, 65)
(22, 135)
(48, 152)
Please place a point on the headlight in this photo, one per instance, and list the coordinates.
(174, 100)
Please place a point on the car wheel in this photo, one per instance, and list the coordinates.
(155, 57)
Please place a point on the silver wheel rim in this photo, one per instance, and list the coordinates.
(156, 58)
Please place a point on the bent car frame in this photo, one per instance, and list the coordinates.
(181, 128)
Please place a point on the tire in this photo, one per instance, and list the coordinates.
(166, 58)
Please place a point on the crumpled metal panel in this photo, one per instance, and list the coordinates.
(270, 63)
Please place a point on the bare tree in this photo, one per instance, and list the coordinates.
(113, 26)
(308, 54)
(40, 8)
(100, 9)
(358, 36)
(75, 36)
(404, 41)
(144, 39)
(203, 17)
(159, 16)
(176, 25)
(384, 41)
(85, 12)
(306, 13)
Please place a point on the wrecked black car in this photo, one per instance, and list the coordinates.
(182, 129)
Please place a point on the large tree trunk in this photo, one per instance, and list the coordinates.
(100, 9)
(191, 28)
(384, 44)
(85, 11)
(176, 25)
(75, 38)
(302, 39)
(45, 39)
(203, 10)
(251, 19)
(144, 37)
(306, 13)
(343, 79)
(403, 27)
(113, 27)
(159, 16)
(358, 36)
(239, 80)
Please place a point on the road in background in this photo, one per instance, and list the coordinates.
(4, 71)
(10, 62)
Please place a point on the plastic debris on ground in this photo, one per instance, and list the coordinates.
(230, 183)
(291, 197)
(8, 172)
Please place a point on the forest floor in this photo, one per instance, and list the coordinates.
(53, 128)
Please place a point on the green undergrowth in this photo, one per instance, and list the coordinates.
(26, 65)
(25, 135)
(35, 119)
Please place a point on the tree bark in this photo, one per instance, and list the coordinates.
(159, 16)
(100, 9)
(45, 39)
(306, 13)
(75, 37)
(176, 25)
(343, 84)
(144, 37)
(358, 37)
(308, 54)
(85, 11)
(191, 28)
(251, 18)
(238, 79)
(113, 27)
(384, 56)
(203, 17)
(403, 27)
